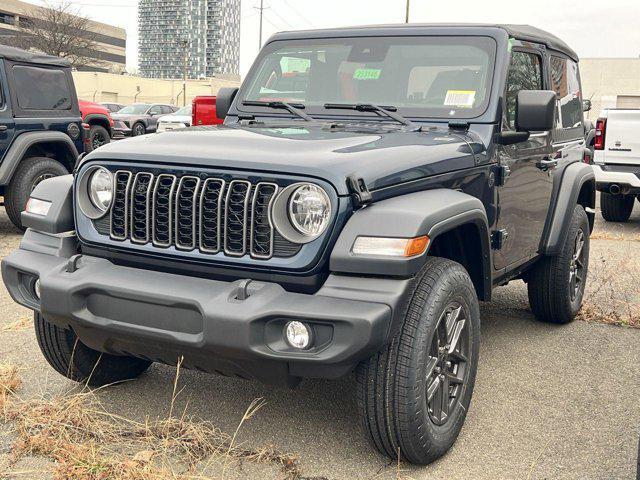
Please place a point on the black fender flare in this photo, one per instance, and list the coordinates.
(98, 119)
(21, 145)
(566, 196)
(59, 218)
(430, 212)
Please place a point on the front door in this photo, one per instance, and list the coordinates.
(524, 199)
(7, 124)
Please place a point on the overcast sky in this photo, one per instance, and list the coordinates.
(594, 28)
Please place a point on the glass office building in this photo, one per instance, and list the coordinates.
(204, 35)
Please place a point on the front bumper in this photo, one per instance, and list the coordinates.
(162, 317)
(627, 177)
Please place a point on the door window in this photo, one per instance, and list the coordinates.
(155, 110)
(566, 84)
(525, 73)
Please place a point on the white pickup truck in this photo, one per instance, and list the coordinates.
(617, 162)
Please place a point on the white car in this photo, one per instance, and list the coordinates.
(179, 119)
(617, 162)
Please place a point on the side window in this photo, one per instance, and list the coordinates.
(42, 88)
(155, 110)
(566, 84)
(525, 73)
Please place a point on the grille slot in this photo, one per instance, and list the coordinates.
(120, 209)
(235, 218)
(186, 212)
(261, 226)
(140, 207)
(189, 212)
(162, 210)
(211, 201)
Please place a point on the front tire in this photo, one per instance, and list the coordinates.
(413, 396)
(138, 129)
(74, 360)
(616, 208)
(556, 284)
(30, 172)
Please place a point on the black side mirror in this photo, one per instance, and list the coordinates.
(535, 110)
(586, 105)
(224, 100)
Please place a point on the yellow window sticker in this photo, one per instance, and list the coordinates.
(367, 74)
(460, 98)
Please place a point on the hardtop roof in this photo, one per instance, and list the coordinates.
(19, 55)
(519, 32)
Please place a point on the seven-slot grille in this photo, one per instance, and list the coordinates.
(189, 212)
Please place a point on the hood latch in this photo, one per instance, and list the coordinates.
(359, 192)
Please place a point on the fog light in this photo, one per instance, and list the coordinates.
(36, 288)
(298, 335)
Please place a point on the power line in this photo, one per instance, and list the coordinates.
(298, 13)
(280, 17)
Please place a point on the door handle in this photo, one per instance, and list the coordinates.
(3, 128)
(546, 163)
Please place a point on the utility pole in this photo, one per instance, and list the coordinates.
(406, 18)
(261, 13)
(185, 45)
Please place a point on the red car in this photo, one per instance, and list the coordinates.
(100, 124)
(204, 111)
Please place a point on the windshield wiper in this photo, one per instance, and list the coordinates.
(291, 107)
(385, 110)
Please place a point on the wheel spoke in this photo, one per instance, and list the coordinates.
(451, 322)
(431, 365)
(433, 388)
(458, 356)
(456, 335)
(445, 397)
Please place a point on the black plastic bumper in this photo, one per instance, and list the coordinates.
(162, 316)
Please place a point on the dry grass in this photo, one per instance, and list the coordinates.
(18, 325)
(9, 383)
(608, 301)
(87, 442)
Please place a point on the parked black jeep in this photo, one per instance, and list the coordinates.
(368, 188)
(40, 124)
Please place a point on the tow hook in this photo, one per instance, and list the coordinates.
(242, 292)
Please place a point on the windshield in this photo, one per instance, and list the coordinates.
(183, 111)
(135, 109)
(446, 77)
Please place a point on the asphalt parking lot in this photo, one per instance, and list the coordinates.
(551, 402)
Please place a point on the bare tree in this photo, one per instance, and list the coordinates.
(59, 30)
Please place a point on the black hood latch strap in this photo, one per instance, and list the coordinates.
(359, 192)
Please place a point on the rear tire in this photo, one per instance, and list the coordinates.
(556, 284)
(616, 208)
(29, 173)
(74, 360)
(403, 390)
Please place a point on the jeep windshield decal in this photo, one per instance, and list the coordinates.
(433, 77)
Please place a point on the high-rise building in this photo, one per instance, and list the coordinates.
(203, 35)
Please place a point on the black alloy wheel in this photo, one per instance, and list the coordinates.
(447, 364)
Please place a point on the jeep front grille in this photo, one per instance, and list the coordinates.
(210, 215)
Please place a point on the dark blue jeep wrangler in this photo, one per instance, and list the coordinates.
(40, 124)
(368, 187)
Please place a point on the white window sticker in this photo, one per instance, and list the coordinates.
(460, 98)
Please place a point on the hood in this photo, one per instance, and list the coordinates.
(383, 157)
(175, 118)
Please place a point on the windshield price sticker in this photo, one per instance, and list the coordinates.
(460, 98)
(367, 74)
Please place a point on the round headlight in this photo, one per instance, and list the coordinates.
(309, 210)
(101, 189)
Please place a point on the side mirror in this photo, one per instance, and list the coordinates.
(586, 105)
(224, 100)
(535, 110)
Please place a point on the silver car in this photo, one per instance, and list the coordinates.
(140, 118)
